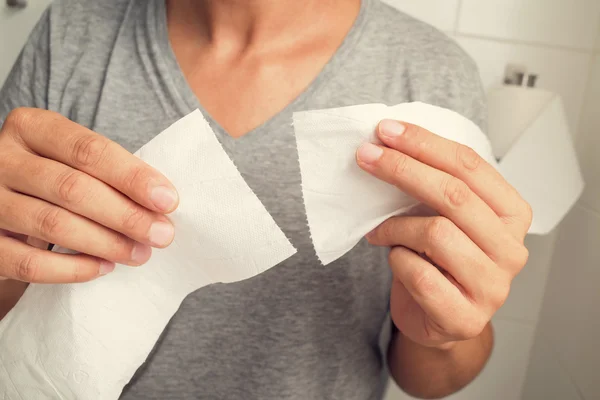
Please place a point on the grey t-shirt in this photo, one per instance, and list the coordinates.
(300, 330)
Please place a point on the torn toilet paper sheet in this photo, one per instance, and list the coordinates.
(85, 341)
(343, 202)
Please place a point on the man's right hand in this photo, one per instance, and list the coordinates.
(64, 184)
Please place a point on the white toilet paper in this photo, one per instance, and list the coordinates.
(86, 341)
(344, 203)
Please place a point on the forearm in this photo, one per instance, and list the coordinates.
(431, 373)
(10, 293)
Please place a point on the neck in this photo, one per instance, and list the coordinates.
(238, 25)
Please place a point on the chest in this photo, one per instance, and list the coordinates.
(243, 91)
(245, 95)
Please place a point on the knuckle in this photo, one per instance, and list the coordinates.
(467, 158)
(517, 257)
(133, 218)
(523, 256)
(527, 213)
(438, 230)
(134, 177)
(415, 136)
(19, 119)
(71, 187)
(122, 249)
(77, 273)
(82, 270)
(10, 161)
(386, 230)
(470, 328)
(499, 295)
(423, 282)
(456, 193)
(28, 267)
(400, 166)
(413, 133)
(89, 150)
(49, 222)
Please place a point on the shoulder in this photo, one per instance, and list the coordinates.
(415, 42)
(79, 40)
(423, 61)
(77, 11)
(79, 21)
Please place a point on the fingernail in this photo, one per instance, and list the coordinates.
(369, 153)
(161, 233)
(164, 198)
(106, 267)
(391, 128)
(140, 253)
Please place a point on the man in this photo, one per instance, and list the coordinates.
(129, 68)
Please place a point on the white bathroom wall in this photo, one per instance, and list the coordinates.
(569, 326)
(15, 25)
(546, 332)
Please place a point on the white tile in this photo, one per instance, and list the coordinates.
(561, 71)
(503, 376)
(527, 291)
(589, 140)
(570, 317)
(546, 379)
(570, 23)
(439, 13)
(15, 26)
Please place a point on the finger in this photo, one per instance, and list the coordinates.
(409, 318)
(446, 194)
(440, 300)
(34, 217)
(35, 242)
(24, 263)
(18, 236)
(40, 244)
(87, 196)
(53, 136)
(480, 279)
(462, 162)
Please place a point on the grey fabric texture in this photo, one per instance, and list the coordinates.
(299, 330)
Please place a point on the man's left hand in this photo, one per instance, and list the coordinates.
(452, 272)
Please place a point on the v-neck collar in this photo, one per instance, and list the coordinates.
(181, 90)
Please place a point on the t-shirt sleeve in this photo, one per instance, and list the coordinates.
(27, 82)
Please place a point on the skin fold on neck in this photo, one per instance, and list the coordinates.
(238, 26)
(245, 60)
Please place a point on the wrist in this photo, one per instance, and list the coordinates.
(437, 371)
(443, 350)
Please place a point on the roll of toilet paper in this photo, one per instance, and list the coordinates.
(85, 341)
(530, 135)
(343, 202)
